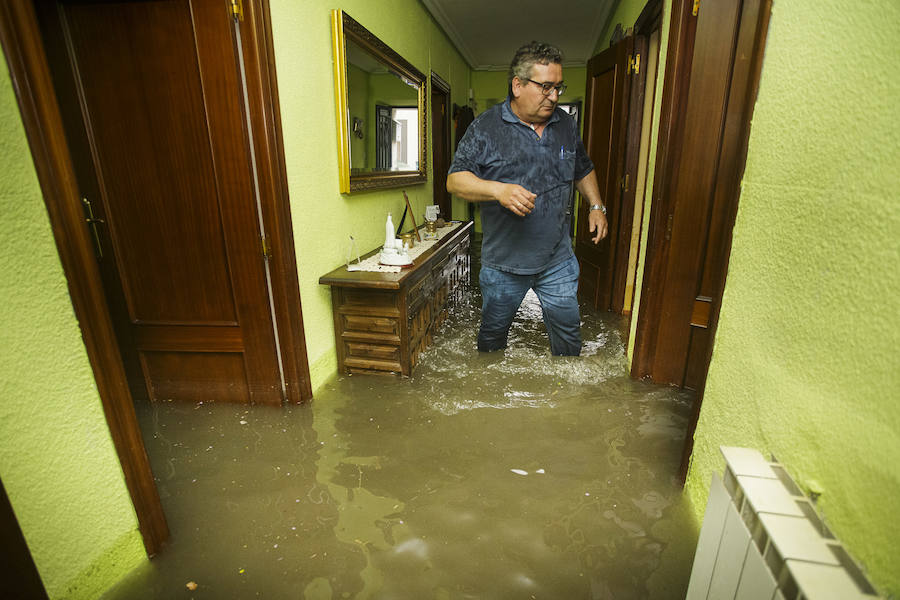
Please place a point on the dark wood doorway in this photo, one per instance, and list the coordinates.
(440, 142)
(618, 115)
(22, 580)
(55, 158)
(712, 75)
(606, 109)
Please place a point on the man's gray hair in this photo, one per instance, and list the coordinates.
(529, 55)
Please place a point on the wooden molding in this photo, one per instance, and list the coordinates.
(266, 114)
(675, 89)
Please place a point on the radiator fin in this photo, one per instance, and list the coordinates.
(762, 540)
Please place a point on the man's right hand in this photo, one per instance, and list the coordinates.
(511, 196)
(515, 198)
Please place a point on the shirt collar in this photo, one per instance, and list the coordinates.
(509, 116)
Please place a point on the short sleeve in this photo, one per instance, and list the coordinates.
(471, 154)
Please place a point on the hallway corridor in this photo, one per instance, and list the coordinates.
(509, 475)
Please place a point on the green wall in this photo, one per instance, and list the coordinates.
(323, 218)
(626, 13)
(57, 459)
(805, 365)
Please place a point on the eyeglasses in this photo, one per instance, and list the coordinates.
(546, 88)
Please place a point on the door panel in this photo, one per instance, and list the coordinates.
(699, 170)
(22, 579)
(160, 96)
(692, 190)
(606, 115)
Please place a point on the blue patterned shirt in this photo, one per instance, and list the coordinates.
(497, 146)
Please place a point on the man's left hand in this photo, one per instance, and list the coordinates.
(597, 224)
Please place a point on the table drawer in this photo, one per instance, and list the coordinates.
(368, 324)
(373, 351)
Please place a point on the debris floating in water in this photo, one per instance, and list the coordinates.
(519, 471)
(191, 585)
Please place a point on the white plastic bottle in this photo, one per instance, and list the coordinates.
(389, 243)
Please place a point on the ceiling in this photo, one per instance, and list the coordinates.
(487, 33)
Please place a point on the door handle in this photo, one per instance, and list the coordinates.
(92, 222)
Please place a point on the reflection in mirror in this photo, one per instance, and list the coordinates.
(381, 111)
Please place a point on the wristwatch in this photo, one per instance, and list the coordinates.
(599, 207)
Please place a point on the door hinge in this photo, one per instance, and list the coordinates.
(266, 249)
(635, 64)
(237, 10)
(669, 228)
(696, 8)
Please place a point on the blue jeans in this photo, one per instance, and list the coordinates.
(557, 290)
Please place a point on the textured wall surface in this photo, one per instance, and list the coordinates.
(805, 365)
(57, 460)
(626, 13)
(323, 218)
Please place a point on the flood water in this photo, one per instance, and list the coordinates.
(508, 475)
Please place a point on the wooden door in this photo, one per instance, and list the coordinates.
(605, 121)
(711, 80)
(22, 580)
(440, 143)
(153, 104)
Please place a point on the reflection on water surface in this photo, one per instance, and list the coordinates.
(508, 475)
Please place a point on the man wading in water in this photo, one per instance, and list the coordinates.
(520, 158)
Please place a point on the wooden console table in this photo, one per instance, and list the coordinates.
(383, 321)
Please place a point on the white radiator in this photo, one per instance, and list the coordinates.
(762, 540)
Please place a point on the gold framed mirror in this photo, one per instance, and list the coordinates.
(380, 101)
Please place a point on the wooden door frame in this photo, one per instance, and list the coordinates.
(265, 113)
(633, 125)
(647, 22)
(682, 32)
(22, 578)
(444, 88)
(30, 74)
(675, 87)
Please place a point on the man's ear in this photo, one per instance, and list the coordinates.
(516, 86)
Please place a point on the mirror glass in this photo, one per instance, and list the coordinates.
(381, 111)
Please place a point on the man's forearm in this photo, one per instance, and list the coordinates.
(469, 187)
(588, 187)
(511, 196)
(590, 190)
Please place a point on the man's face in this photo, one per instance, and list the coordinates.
(533, 105)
